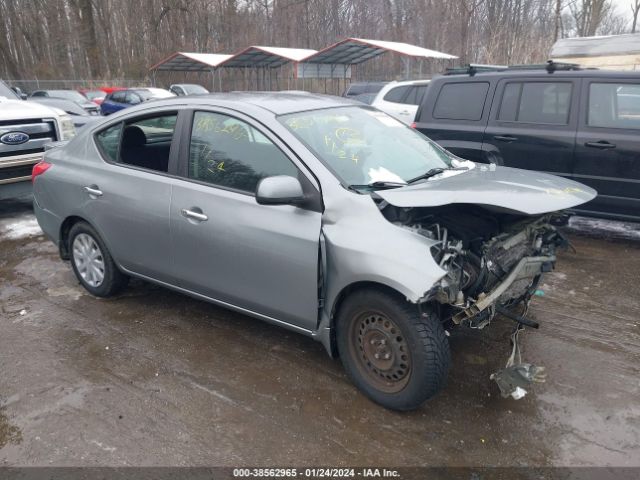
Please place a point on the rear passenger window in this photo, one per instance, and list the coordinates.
(230, 153)
(395, 94)
(614, 105)
(146, 143)
(108, 140)
(461, 101)
(536, 102)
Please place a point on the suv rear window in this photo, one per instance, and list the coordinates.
(461, 101)
(395, 94)
(536, 102)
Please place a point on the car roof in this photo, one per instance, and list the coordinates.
(517, 72)
(425, 81)
(279, 103)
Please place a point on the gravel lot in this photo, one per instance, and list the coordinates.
(153, 377)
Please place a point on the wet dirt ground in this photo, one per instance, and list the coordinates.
(153, 377)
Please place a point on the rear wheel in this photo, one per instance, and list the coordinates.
(92, 263)
(395, 355)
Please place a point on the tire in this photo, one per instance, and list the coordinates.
(412, 362)
(92, 263)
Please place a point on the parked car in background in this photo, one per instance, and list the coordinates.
(158, 93)
(25, 128)
(556, 118)
(358, 88)
(95, 96)
(121, 99)
(181, 89)
(79, 115)
(18, 91)
(108, 90)
(401, 99)
(366, 98)
(72, 95)
(311, 212)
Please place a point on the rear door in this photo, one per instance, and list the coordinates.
(262, 258)
(533, 124)
(607, 155)
(128, 196)
(454, 114)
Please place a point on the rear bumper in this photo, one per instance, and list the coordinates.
(49, 223)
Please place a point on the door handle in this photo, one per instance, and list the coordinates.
(602, 145)
(93, 190)
(201, 217)
(505, 138)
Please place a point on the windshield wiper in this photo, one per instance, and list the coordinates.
(433, 172)
(378, 185)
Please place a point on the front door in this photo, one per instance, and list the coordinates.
(226, 246)
(607, 155)
(532, 125)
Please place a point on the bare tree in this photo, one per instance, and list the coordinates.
(635, 9)
(121, 38)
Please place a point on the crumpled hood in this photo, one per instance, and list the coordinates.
(521, 191)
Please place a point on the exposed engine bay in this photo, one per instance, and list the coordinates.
(494, 260)
(479, 248)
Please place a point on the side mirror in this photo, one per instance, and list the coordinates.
(279, 190)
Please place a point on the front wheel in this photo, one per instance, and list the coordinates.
(395, 355)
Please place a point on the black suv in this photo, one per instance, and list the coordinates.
(558, 118)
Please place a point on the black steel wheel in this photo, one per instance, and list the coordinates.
(395, 355)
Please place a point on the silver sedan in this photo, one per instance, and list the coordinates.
(318, 214)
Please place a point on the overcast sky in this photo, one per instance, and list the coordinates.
(623, 7)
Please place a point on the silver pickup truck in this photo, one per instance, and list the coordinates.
(25, 128)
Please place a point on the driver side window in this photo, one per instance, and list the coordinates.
(230, 153)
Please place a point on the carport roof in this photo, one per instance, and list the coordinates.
(352, 51)
(259, 56)
(597, 46)
(191, 62)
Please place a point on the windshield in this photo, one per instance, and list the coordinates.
(194, 89)
(93, 94)
(144, 94)
(68, 94)
(7, 92)
(362, 145)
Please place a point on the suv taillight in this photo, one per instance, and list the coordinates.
(414, 125)
(38, 169)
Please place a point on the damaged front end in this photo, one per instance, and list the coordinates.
(493, 261)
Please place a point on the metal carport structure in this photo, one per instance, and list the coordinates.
(191, 62)
(335, 61)
(263, 61)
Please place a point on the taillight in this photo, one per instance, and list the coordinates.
(414, 125)
(38, 169)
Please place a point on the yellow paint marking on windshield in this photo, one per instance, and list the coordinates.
(300, 123)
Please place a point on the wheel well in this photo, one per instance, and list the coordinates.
(354, 287)
(65, 228)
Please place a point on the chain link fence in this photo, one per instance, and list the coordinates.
(29, 86)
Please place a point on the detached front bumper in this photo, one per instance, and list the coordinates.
(528, 268)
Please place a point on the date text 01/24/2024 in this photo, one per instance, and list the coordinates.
(315, 472)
